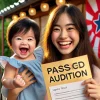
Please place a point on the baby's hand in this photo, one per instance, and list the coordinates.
(18, 81)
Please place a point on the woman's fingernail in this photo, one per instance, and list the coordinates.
(82, 83)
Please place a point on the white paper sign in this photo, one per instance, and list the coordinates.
(71, 91)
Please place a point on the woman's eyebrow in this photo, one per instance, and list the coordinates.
(65, 24)
(70, 24)
(56, 25)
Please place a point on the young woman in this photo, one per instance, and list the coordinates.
(66, 36)
(23, 37)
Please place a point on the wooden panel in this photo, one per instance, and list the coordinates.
(36, 5)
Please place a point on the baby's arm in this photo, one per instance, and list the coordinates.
(13, 93)
(8, 79)
(46, 97)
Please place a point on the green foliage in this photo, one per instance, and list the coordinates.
(0, 38)
(7, 51)
(5, 3)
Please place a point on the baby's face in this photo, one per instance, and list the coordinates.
(23, 45)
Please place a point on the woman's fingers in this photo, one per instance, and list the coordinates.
(29, 80)
(24, 72)
(31, 77)
(32, 81)
(94, 95)
(91, 86)
(91, 80)
(92, 89)
(29, 74)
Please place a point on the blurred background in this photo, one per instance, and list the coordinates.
(39, 10)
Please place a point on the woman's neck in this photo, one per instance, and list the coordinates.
(66, 57)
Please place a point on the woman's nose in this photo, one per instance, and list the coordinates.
(64, 34)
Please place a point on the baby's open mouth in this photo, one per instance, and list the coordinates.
(24, 50)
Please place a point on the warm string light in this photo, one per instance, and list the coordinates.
(22, 14)
(44, 7)
(32, 11)
(14, 17)
(60, 2)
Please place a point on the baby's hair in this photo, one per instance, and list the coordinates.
(22, 25)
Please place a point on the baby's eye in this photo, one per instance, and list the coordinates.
(30, 39)
(18, 38)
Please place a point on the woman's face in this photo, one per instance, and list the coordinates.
(65, 36)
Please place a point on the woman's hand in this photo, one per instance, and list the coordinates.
(27, 77)
(92, 89)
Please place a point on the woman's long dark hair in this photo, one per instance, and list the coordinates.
(51, 54)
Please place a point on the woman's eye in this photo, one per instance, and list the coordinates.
(70, 28)
(56, 29)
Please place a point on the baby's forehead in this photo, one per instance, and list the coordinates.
(25, 33)
(21, 32)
